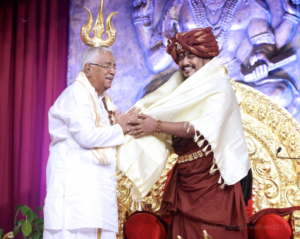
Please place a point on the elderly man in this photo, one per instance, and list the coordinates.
(85, 128)
(204, 191)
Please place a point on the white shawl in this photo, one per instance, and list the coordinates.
(208, 102)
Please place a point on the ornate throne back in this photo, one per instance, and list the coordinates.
(267, 126)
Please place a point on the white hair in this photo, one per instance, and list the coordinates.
(91, 53)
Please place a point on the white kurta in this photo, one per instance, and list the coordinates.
(78, 186)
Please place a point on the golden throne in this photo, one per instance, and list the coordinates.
(276, 181)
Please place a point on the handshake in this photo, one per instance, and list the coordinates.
(135, 123)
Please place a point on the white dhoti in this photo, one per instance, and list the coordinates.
(81, 233)
(78, 233)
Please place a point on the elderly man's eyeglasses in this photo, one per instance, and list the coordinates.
(105, 66)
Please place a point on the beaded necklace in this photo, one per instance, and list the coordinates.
(110, 113)
(214, 5)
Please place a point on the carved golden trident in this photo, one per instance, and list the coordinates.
(98, 29)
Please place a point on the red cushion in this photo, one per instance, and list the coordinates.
(271, 226)
(146, 226)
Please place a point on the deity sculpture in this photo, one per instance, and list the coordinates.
(244, 34)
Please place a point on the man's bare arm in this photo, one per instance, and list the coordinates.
(146, 125)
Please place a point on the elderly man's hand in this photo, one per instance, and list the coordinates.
(123, 120)
(142, 126)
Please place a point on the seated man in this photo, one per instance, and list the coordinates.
(204, 191)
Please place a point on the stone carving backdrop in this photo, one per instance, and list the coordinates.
(259, 42)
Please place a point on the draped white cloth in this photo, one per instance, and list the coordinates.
(208, 102)
(79, 187)
(103, 154)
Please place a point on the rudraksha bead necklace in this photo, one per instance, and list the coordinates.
(110, 113)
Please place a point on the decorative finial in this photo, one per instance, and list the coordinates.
(98, 29)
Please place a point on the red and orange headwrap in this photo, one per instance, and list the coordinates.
(200, 42)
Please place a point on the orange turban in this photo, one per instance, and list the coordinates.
(200, 42)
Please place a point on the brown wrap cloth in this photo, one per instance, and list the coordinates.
(200, 42)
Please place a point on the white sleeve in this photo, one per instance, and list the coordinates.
(75, 110)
